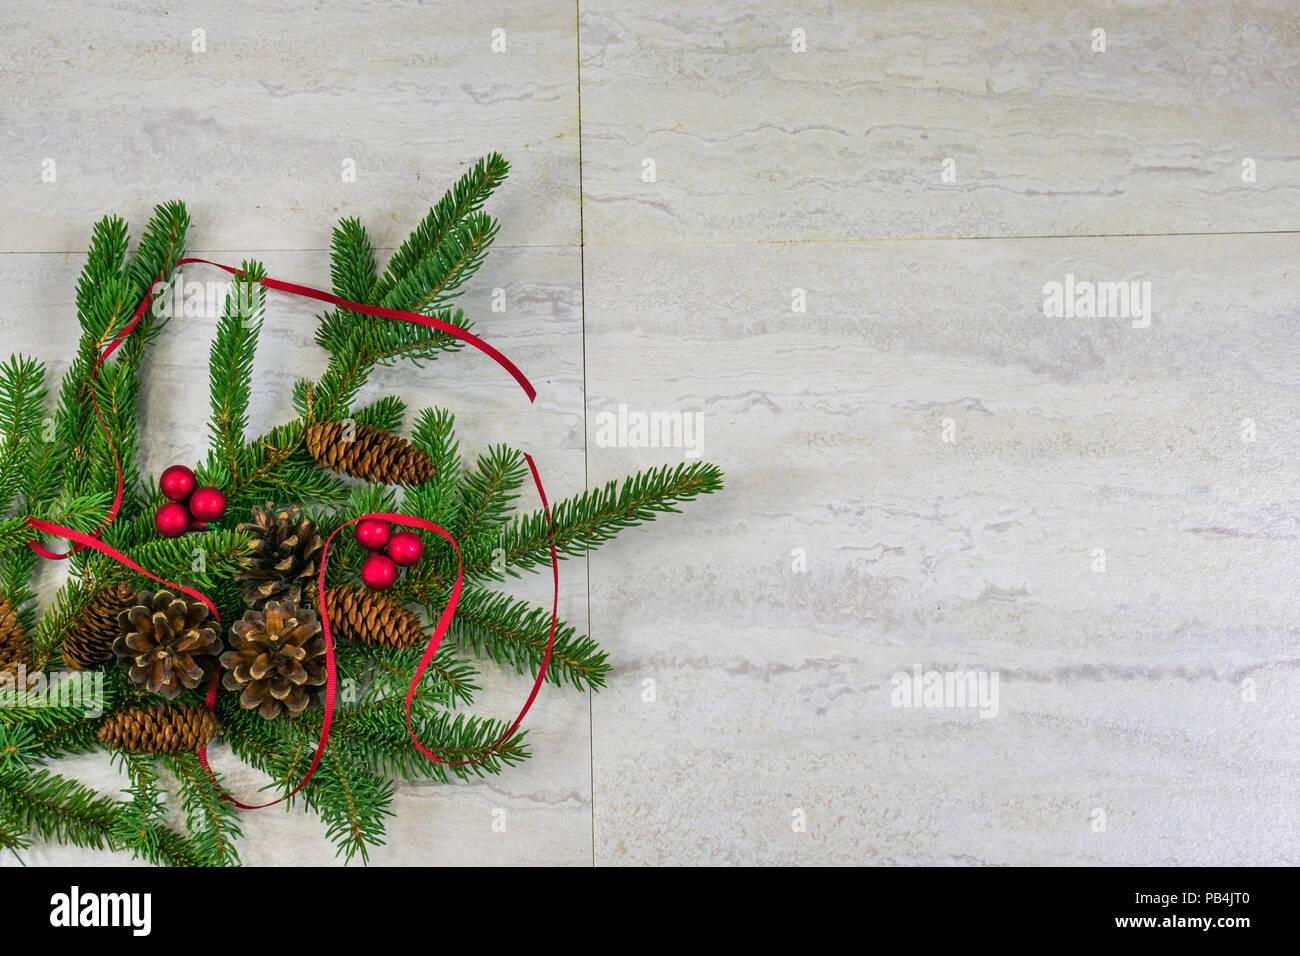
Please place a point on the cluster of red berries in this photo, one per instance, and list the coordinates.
(388, 552)
(190, 507)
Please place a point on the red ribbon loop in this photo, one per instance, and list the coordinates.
(81, 540)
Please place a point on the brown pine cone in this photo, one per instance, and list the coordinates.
(15, 648)
(90, 641)
(163, 645)
(277, 659)
(358, 614)
(372, 454)
(283, 558)
(169, 729)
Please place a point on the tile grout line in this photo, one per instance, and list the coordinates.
(586, 470)
(854, 241)
(581, 245)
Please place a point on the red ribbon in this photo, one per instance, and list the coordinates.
(88, 541)
(81, 540)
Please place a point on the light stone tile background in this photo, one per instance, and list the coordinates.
(775, 170)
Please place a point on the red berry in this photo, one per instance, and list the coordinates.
(208, 504)
(172, 520)
(405, 548)
(177, 483)
(372, 533)
(378, 573)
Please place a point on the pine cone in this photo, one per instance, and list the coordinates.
(90, 642)
(372, 454)
(169, 729)
(357, 614)
(283, 557)
(15, 648)
(162, 644)
(277, 659)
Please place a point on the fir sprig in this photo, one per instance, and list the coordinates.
(212, 820)
(586, 521)
(514, 633)
(230, 367)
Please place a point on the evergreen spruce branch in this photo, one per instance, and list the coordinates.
(230, 367)
(161, 245)
(437, 500)
(12, 835)
(452, 737)
(55, 808)
(133, 532)
(342, 379)
(352, 270)
(212, 822)
(446, 669)
(586, 521)
(117, 389)
(514, 633)
(276, 747)
(352, 261)
(298, 479)
(435, 433)
(381, 342)
(468, 195)
(73, 736)
(73, 600)
(105, 301)
(374, 733)
(396, 340)
(438, 276)
(57, 730)
(300, 394)
(352, 800)
(269, 453)
(16, 569)
(138, 819)
(383, 671)
(82, 514)
(22, 409)
(28, 476)
(42, 472)
(43, 722)
(363, 499)
(386, 414)
(348, 796)
(274, 467)
(18, 748)
(444, 250)
(174, 558)
(489, 490)
(175, 849)
(105, 263)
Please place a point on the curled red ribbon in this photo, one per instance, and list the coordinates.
(81, 540)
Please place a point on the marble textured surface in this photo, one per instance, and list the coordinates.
(922, 468)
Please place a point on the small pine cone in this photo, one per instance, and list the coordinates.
(169, 729)
(15, 648)
(372, 454)
(163, 644)
(357, 614)
(90, 642)
(276, 659)
(283, 556)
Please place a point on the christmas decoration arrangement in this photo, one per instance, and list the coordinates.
(317, 599)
